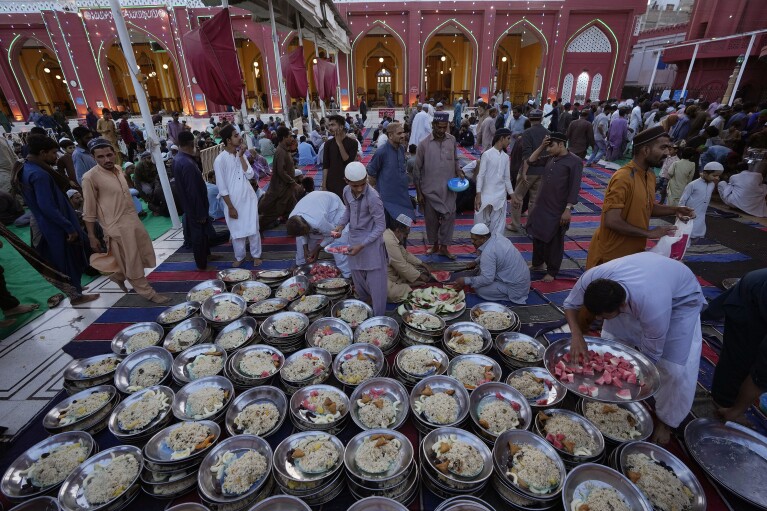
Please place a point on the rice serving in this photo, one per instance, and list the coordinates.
(353, 314)
(207, 364)
(147, 373)
(612, 420)
(265, 308)
(355, 369)
(141, 413)
(493, 320)
(239, 473)
(498, 415)
(419, 362)
(529, 468)
(176, 315)
(659, 483)
(522, 351)
(81, 408)
(332, 284)
(321, 407)
(456, 456)
(255, 293)
(567, 435)
(203, 294)
(55, 465)
(528, 384)
(437, 407)
(272, 274)
(379, 335)
(187, 438)
(205, 402)
(376, 410)
(182, 339)
(303, 367)
(226, 310)
(464, 343)
(102, 367)
(331, 340)
(259, 364)
(288, 325)
(258, 418)
(314, 454)
(601, 499)
(108, 482)
(377, 453)
(308, 304)
(290, 292)
(141, 340)
(471, 374)
(233, 339)
(236, 276)
(423, 322)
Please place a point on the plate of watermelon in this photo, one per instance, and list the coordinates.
(445, 302)
(613, 372)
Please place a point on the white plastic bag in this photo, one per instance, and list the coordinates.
(674, 246)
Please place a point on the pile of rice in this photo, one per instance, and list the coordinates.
(184, 439)
(377, 453)
(418, 361)
(205, 402)
(456, 456)
(255, 293)
(290, 292)
(464, 343)
(612, 420)
(531, 469)
(288, 325)
(308, 304)
(233, 339)
(103, 366)
(182, 339)
(141, 413)
(81, 408)
(332, 284)
(356, 369)
(54, 466)
(472, 374)
(303, 367)
(265, 308)
(203, 294)
(207, 364)
(353, 314)
(497, 416)
(314, 454)
(522, 351)
(239, 473)
(379, 335)
(236, 276)
(423, 321)
(321, 407)
(147, 373)
(528, 384)
(333, 342)
(109, 481)
(660, 484)
(377, 412)
(493, 320)
(176, 315)
(601, 499)
(437, 408)
(226, 310)
(259, 364)
(258, 418)
(141, 340)
(575, 434)
(271, 274)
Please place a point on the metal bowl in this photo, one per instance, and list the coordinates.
(587, 425)
(381, 387)
(190, 308)
(255, 290)
(642, 415)
(280, 503)
(209, 307)
(286, 471)
(16, 484)
(391, 477)
(440, 384)
(368, 351)
(554, 392)
(73, 373)
(489, 392)
(324, 302)
(428, 461)
(216, 285)
(268, 330)
(123, 336)
(306, 269)
(300, 283)
(51, 419)
(188, 506)
(584, 477)
(478, 309)
(480, 360)
(335, 311)
(272, 275)
(245, 378)
(438, 356)
(180, 401)
(38, 504)
(278, 303)
(377, 504)
(198, 324)
(466, 327)
(211, 486)
(410, 320)
(157, 451)
(332, 285)
(232, 276)
(464, 503)
(257, 395)
(182, 483)
(132, 361)
(71, 496)
(181, 364)
(249, 327)
(389, 343)
(501, 457)
(333, 325)
(303, 416)
(157, 422)
(327, 363)
(504, 340)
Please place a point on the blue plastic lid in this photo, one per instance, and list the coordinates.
(458, 184)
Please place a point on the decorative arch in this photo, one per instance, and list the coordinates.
(441, 50)
(582, 86)
(567, 88)
(391, 31)
(527, 25)
(466, 32)
(591, 40)
(596, 87)
(605, 29)
(14, 51)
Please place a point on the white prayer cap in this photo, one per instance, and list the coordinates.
(405, 220)
(480, 230)
(174, 147)
(355, 171)
(298, 173)
(72, 191)
(440, 104)
(713, 167)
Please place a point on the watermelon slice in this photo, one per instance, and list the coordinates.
(593, 391)
(624, 394)
(441, 276)
(583, 389)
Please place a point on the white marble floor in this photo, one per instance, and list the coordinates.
(31, 360)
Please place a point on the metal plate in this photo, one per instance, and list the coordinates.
(210, 486)
(384, 387)
(179, 403)
(296, 405)
(469, 328)
(384, 321)
(51, 419)
(410, 319)
(189, 308)
(476, 311)
(553, 393)
(299, 282)
(268, 330)
(480, 360)
(489, 392)
(122, 375)
(279, 304)
(324, 301)
(464, 436)
(644, 419)
(522, 437)
(648, 373)
(587, 425)
(377, 504)
(444, 317)
(323, 355)
(157, 450)
(438, 355)
(232, 276)
(39, 504)
(122, 434)
(336, 325)
(582, 477)
(123, 336)
(404, 459)
(727, 454)
(262, 394)
(250, 329)
(208, 308)
(74, 371)
(284, 467)
(339, 306)
(197, 324)
(505, 339)
(181, 364)
(280, 503)
(218, 286)
(354, 350)
(272, 274)
(441, 383)
(243, 287)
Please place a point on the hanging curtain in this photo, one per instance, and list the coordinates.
(211, 54)
(325, 78)
(294, 73)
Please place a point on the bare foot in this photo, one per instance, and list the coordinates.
(257, 261)
(85, 299)
(446, 253)
(120, 284)
(547, 278)
(236, 264)
(7, 322)
(662, 434)
(161, 299)
(21, 309)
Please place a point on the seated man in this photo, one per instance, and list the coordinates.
(503, 273)
(306, 153)
(745, 191)
(404, 269)
(216, 204)
(265, 144)
(312, 221)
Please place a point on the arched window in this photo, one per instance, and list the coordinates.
(596, 86)
(591, 40)
(567, 87)
(581, 87)
(383, 82)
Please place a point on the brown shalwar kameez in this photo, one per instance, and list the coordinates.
(435, 164)
(108, 201)
(279, 199)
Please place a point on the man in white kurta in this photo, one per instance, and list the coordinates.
(420, 128)
(494, 184)
(312, 222)
(655, 307)
(635, 122)
(745, 191)
(233, 176)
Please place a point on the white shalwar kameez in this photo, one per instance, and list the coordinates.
(746, 191)
(420, 127)
(661, 318)
(635, 122)
(233, 181)
(493, 184)
(547, 108)
(697, 195)
(323, 212)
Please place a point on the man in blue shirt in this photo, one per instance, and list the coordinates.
(306, 153)
(389, 175)
(81, 158)
(718, 153)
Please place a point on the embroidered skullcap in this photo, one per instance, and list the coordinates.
(647, 136)
(441, 117)
(405, 220)
(559, 137)
(98, 143)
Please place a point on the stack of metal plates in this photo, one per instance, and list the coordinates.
(310, 366)
(501, 319)
(331, 334)
(206, 398)
(448, 475)
(253, 366)
(88, 411)
(359, 362)
(414, 363)
(519, 350)
(380, 331)
(491, 401)
(142, 414)
(370, 401)
(84, 373)
(258, 411)
(314, 306)
(174, 315)
(285, 330)
(576, 455)
(199, 361)
(145, 368)
(421, 327)
(319, 408)
(438, 402)
(186, 334)
(238, 334)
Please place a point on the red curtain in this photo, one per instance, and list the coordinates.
(326, 79)
(294, 73)
(211, 54)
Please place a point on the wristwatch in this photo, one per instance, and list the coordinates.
(569, 208)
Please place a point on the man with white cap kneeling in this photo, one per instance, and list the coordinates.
(404, 268)
(503, 273)
(367, 256)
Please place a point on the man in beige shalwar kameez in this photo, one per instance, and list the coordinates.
(108, 201)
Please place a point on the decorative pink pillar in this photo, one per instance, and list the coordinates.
(414, 83)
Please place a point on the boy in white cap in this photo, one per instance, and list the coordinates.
(404, 268)
(367, 256)
(697, 195)
(503, 273)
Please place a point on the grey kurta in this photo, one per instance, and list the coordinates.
(503, 272)
(560, 184)
(365, 217)
(436, 163)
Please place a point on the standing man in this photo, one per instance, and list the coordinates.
(516, 124)
(81, 158)
(127, 135)
(436, 163)
(338, 152)
(635, 122)
(494, 184)
(280, 197)
(233, 176)
(528, 180)
(106, 128)
(91, 120)
(580, 135)
(566, 117)
(387, 173)
(364, 214)
(108, 202)
(5, 122)
(550, 220)
(61, 120)
(486, 130)
(458, 113)
(363, 110)
(420, 125)
(174, 128)
(193, 195)
(600, 126)
(630, 203)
